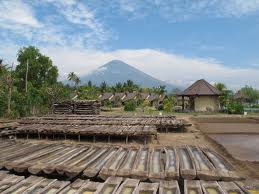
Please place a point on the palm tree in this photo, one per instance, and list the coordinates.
(103, 87)
(74, 78)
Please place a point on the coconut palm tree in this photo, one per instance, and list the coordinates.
(74, 78)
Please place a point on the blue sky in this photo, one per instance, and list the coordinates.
(177, 41)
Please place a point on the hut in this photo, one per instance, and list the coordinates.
(241, 97)
(156, 99)
(118, 98)
(202, 97)
(130, 96)
(105, 97)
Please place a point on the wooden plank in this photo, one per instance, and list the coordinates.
(187, 167)
(169, 187)
(147, 188)
(172, 163)
(156, 165)
(204, 168)
(211, 187)
(129, 186)
(192, 187)
(141, 165)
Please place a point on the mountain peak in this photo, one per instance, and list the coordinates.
(115, 63)
(118, 71)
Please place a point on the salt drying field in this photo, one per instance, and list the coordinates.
(241, 146)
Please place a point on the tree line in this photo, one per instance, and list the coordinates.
(32, 86)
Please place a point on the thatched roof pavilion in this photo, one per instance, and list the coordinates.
(202, 96)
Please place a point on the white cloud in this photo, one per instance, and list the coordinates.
(165, 66)
(17, 13)
(178, 10)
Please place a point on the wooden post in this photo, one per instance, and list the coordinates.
(127, 139)
(94, 138)
(27, 136)
(26, 76)
(109, 139)
(79, 138)
(183, 103)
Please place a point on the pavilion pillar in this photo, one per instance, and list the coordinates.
(182, 102)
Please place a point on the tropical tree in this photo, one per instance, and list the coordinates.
(34, 67)
(251, 93)
(74, 78)
(226, 95)
(103, 87)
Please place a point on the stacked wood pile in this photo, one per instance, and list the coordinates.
(80, 107)
(65, 107)
(7, 127)
(142, 163)
(87, 107)
(114, 185)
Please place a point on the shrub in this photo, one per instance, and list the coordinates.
(130, 106)
(168, 105)
(235, 108)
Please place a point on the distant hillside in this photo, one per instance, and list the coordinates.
(117, 71)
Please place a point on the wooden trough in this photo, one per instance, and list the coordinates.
(156, 166)
(211, 187)
(224, 167)
(230, 188)
(147, 188)
(187, 167)
(111, 167)
(127, 163)
(23, 185)
(141, 166)
(110, 186)
(129, 186)
(204, 168)
(88, 161)
(172, 163)
(192, 187)
(8, 181)
(169, 187)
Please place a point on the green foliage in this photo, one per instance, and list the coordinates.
(168, 105)
(235, 108)
(226, 95)
(108, 104)
(41, 71)
(251, 93)
(74, 78)
(130, 106)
